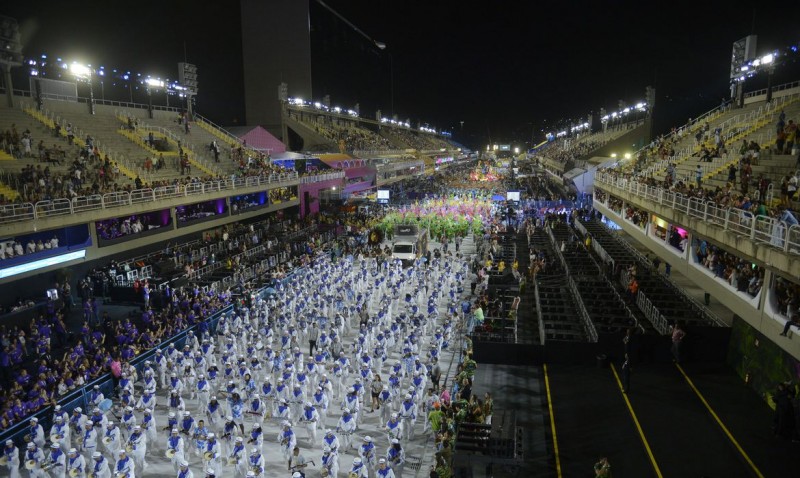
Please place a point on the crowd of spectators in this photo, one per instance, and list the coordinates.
(787, 297)
(83, 175)
(86, 173)
(737, 272)
(568, 151)
(12, 248)
(615, 204)
(637, 216)
(352, 138)
(124, 226)
(418, 141)
(541, 189)
(15, 145)
(48, 362)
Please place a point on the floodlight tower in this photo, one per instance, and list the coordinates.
(84, 73)
(187, 77)
(150, 85)
(382, 46)
(10, 53)
(744, 50)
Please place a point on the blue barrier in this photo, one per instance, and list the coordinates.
(80, 397)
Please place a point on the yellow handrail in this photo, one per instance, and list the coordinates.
(80, 142)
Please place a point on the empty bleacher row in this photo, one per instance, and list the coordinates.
(605, 306)
(558, 313)
(670, 305)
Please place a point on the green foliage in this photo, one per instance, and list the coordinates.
(754, 356)
(444, 471)
(436, 225)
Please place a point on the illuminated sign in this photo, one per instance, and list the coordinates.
(40, 264)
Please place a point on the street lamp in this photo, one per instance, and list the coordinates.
(84, 73)
(382, 46)
(12, 53)
(152, 84)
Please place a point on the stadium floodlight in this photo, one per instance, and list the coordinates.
(766, 59)
(152, 84)
(82, 72)
(613, 155)
(627, 155)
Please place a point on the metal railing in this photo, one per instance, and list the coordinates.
(59, 207)
(770, 231)
(588, 324)
(651, 312)
(539, 311)
(718, 111)
(193, 156)
(763, 91)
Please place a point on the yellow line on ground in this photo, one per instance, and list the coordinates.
(552, 421)
(638, 425)
(719, 422)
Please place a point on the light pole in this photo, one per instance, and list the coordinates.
(12, 53)
(152, 84)
(382, 47)
(84, 73)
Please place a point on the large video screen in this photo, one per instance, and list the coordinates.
(512, 196)
(383, 195)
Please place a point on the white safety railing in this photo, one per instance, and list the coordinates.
(771, 231)
(588, 324)
(61, 207)
(651, 312)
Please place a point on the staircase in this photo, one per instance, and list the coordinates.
(560, 319)
(49, 119)
(196, 143)
(41, 127)
(687, 144)
(750, 125)
(175, 144)
(527, 315)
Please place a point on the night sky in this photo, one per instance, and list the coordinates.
(506, 69)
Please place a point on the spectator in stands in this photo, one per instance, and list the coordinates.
(780, 140)
(785, 425)
(785, 191)
(678, 335)
(791, 134)
(794, 321)
(633, 289)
